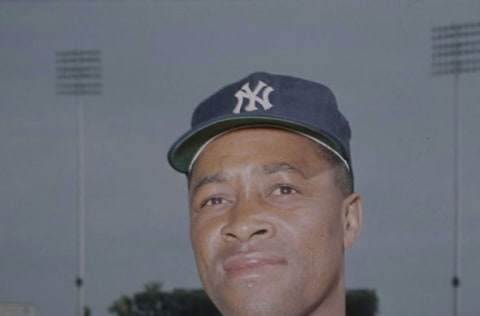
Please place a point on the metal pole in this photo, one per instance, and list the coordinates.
(456, 201)
(81, 207)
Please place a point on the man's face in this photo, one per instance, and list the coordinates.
(269, 226)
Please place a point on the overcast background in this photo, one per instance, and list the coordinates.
(159, 60)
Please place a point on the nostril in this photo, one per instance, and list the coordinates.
(243, 231)
(230, 235)
(261, 232)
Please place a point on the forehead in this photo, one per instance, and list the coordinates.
(251, 148)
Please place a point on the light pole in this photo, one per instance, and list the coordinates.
(456, 50)
(79, 74)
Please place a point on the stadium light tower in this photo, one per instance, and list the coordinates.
(456, 50)
(79, 74)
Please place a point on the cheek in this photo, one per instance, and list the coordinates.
(206, 243)
(320, 241)
(205, 238)
(200, 251)
(199, 238)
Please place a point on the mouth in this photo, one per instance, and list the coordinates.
(251, 264)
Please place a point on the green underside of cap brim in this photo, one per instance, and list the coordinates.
(185, 148)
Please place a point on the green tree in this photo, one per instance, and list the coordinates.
(361, 303)
(122, 307)
(152, 301)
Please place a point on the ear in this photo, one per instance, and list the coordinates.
(352, 219)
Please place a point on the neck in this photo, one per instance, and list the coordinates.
(334, 303)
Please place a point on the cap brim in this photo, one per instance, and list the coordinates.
(186, 147)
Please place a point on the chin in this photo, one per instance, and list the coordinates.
(252, 309)
(254, 302)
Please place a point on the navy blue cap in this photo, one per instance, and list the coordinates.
(264, 99)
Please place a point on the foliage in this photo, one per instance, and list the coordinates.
(153, 302)
(361, 303)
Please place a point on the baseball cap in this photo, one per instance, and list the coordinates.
(263, 99)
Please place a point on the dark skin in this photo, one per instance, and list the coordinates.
(269, 225)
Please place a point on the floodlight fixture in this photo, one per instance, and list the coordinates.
(79, 74)
(456, 51)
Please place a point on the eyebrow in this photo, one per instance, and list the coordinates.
(267, 169)
(280, 167)
(214, 178)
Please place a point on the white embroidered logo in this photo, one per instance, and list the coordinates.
(253, 97)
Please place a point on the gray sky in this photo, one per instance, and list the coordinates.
(159, 60)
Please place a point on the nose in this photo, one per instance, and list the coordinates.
(247, 221)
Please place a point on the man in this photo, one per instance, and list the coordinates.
(272, 206)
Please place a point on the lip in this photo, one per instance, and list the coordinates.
(251, 263)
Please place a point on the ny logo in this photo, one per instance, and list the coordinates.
(253, 97)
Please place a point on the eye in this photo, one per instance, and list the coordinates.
(213, 201)
(284, 190)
